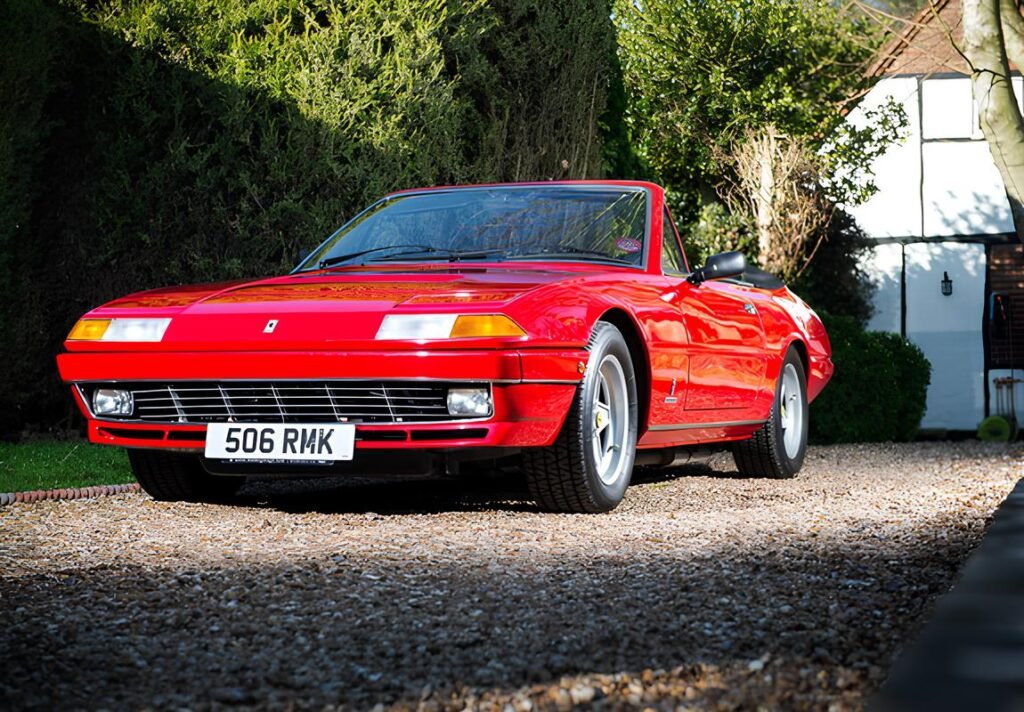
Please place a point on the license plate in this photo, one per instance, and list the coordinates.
(280, 441)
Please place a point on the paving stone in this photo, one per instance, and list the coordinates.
(971, 653)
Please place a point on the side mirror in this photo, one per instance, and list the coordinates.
(720, 266)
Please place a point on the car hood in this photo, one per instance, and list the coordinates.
(321, 310)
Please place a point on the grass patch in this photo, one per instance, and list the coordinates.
(57, 464)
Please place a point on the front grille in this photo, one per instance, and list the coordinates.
(380, 402)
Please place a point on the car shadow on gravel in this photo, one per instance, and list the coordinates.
(493, 491)
(390, 496)
(718, 466)
(357, 630)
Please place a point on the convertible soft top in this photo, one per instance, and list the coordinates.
(760, 279)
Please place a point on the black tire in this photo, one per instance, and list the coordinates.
(765, 455)
(173, 477)
(566, 477)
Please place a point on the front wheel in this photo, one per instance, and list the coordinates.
(590, 464)
(174, 477)
(777, 450)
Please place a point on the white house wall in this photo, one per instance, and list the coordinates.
(947, 109)
(885, 267)
(949, 329)
(963, 193)
(940, 198)
(895, 209)
(940, 180)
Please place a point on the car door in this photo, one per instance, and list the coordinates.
(726, 349)
(727, 356)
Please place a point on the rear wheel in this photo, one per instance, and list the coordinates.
(777, 450)
(173, 477)
(590, 464)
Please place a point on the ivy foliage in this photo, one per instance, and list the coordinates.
(155, 142)
(701, 72)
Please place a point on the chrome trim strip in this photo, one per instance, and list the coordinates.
(177, 405)
(387, 402)
(227, 403)
(398, 426)
(165, 379)
(277, 400)
(551, 381)
(425, 379)
(334, 406)
(402, 425)
(707, 426)
(81, 394)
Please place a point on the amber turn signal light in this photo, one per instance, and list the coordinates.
(483, 325)
(89, 330)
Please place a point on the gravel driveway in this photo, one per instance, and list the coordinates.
(702, 590)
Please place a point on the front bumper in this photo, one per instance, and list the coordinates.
(532, 391)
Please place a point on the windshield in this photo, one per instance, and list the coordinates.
(593, 223)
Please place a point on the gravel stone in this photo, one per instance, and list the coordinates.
(703, 590)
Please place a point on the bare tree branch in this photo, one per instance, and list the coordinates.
(777, 184)
(949, 33)
(875, 13)
(908, 28)
(1001, 120)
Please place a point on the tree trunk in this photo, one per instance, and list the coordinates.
(1001, 122)
(764, 198)
(1013, 31)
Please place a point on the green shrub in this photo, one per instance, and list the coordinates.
(717, 230)
(702, 72)
(153, 142)
(835, 282)
(878, 390)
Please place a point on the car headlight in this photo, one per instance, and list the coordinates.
(447, 326)
(112, 401)
(469, 401)
(119, 330)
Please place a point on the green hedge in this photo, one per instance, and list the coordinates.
(878, 391)
(154, 142)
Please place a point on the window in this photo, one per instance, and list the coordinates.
(672, 260)
(582, 224)
(1006, 307)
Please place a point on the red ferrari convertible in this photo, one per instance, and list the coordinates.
(557, 323)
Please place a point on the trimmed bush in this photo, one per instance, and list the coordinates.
(153, 142)
(878, 391)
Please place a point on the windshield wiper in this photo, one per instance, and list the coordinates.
(440, 253)
(412, 251)
(568, 250)
(338, 259)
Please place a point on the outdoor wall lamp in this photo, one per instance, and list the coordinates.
(947, 284)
